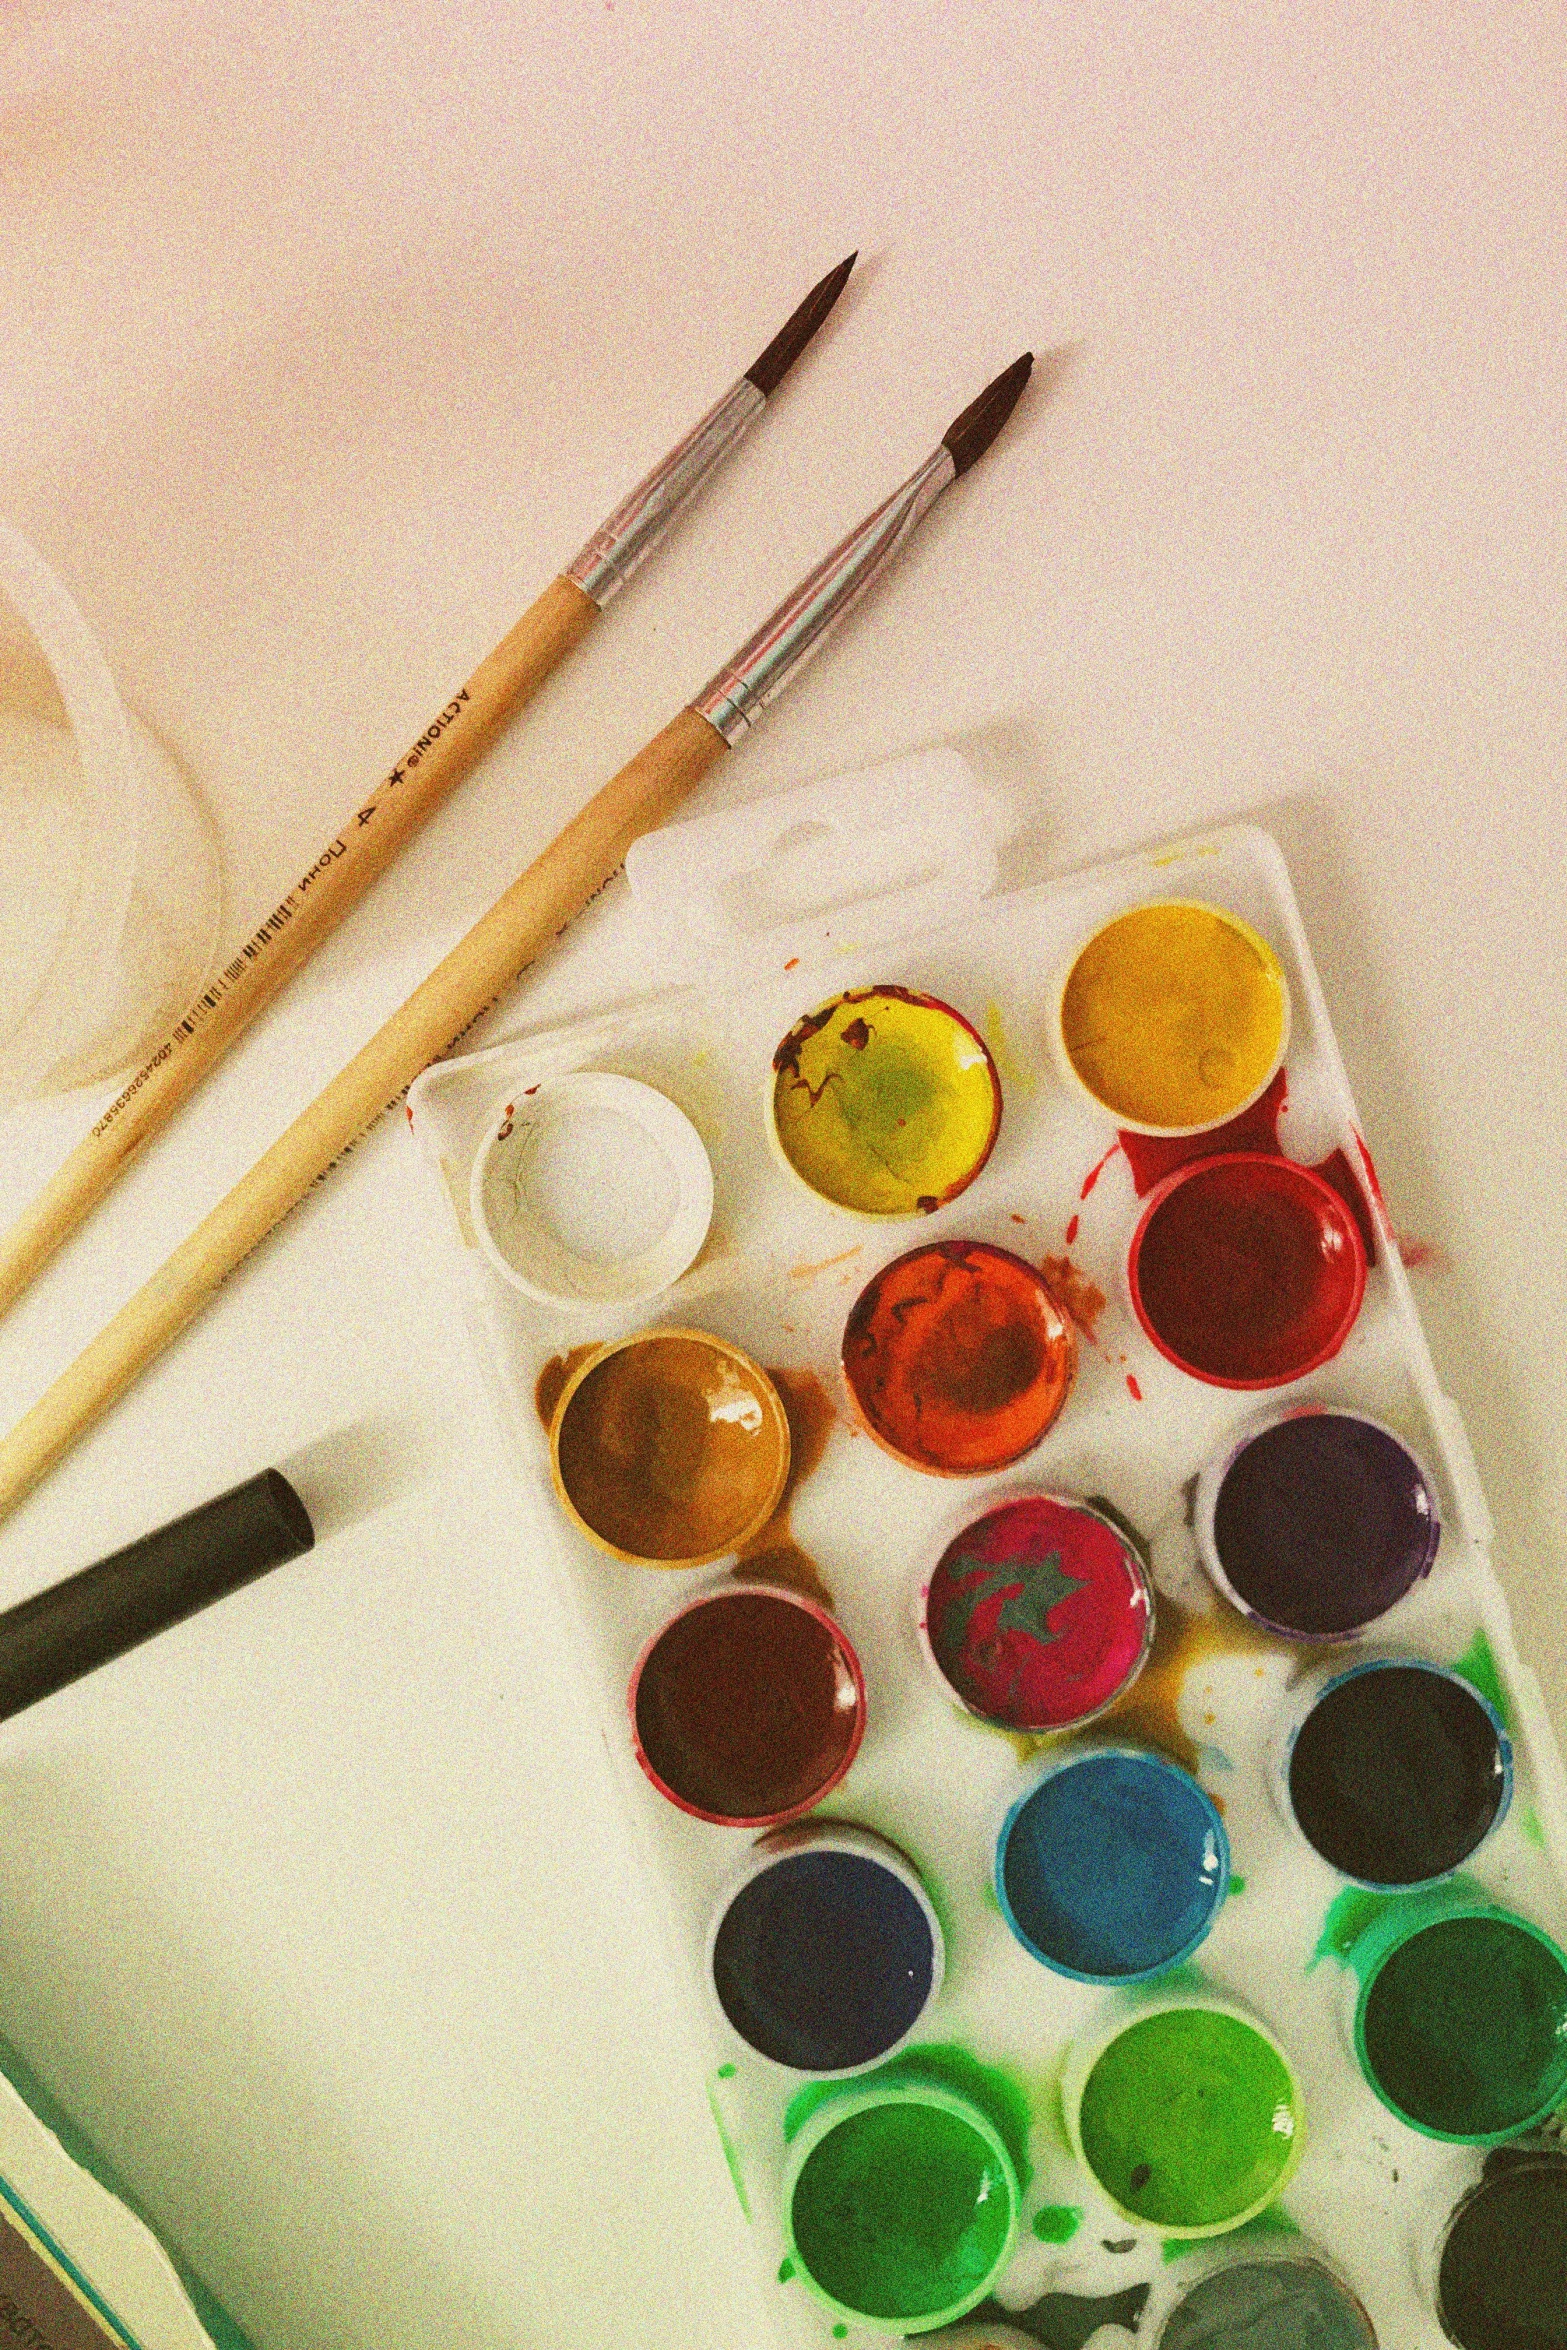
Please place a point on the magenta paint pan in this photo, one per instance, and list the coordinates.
(748, 1707)
(1316, 1521)
(1038, 1615)
(1246, 1270)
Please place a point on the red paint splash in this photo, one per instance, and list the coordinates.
(1094, 1173)
(1421, 1256)
(793, 963)
(1153, 1156)
(1071, 1230)
(1336, 1169)
(1133, 1389)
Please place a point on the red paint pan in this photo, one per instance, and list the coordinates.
(1246, 1270)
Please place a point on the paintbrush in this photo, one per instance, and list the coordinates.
(458, 735)
(500, 946)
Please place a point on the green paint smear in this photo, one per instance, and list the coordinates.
(1269, 2224)
(1529, 1822)
(1478, 1667)
(1189, 2117)
(731, 2155)
(1237, 1884)
(839, 2332)
(1057, 2223)
(1000, 2099)
(902, 2211)
(1354, 1910)
(785, 2270)
(726, 2072)
(1465, 2028)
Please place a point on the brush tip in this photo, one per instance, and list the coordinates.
(968, 436)
(781, 353)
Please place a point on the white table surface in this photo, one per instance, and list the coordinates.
(328, 335)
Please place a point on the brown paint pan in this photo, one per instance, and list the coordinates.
(669, 1448)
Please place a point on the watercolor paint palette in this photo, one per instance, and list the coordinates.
(1002, 2056)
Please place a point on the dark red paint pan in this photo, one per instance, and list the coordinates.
(1246, 1270)
(747, 1707)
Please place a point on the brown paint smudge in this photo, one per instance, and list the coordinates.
(1181, 1641)
(773, 1555)
(824, 1264)
(555, 1378)
(1083, 1299)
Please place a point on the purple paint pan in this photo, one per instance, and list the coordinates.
(1316, 1521)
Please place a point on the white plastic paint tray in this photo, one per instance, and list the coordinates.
(755, 917)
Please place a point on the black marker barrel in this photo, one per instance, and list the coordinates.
(55, 1637)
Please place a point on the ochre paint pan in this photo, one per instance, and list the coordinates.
(669, 1448)
(900, 2205)
(1172, 1018)
(958, 1358)
(883, 1102)
(1186, 2111)
(748, 1706)
(1038, 1615)
(1394, 1769)
(1112, 1866)
(825, 1951)
(1316, 1521)
(1246, 1270)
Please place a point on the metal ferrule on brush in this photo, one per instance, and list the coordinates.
(736, 697)
(631, 533)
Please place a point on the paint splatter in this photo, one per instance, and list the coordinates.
(1347, 1919)
(1529, 1824)
(554, 1379)
(731, 2155)
(726, 2072)
(1132, 1388)
(1237, 1884)
(1094, 1172)
(1421, 1256)
(1072, 1230)
(1068, 2321)
(1058, 2223)
(1153, 1156)
(1016, 1073)
(1079, 1297)
(1479, 1668)
(785, 2270)
(1150, 1710)
(773, 1555)
(824, 1264)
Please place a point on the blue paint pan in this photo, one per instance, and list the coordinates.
(1112, 1866)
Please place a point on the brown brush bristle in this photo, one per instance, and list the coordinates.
(968, 436)
(791, 338)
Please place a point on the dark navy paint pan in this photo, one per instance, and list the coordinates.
(826, 1952)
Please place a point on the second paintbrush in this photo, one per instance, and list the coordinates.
(519, 926)
(461, 731)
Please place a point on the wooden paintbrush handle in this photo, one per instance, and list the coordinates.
(537, 907)
(455, 738)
